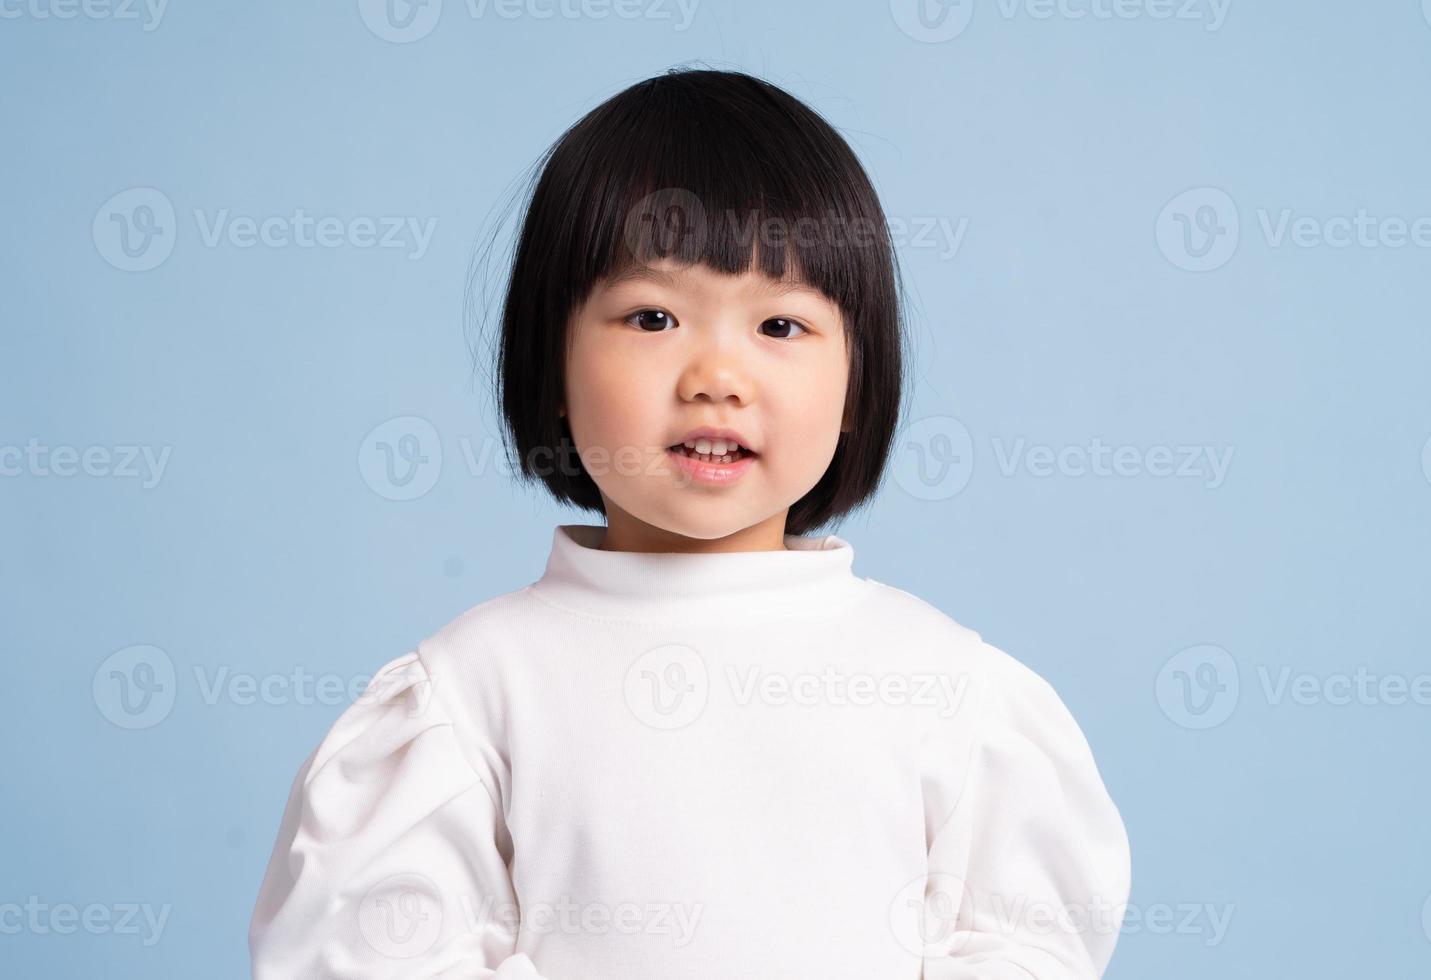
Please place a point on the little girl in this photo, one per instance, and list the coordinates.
(699, 745)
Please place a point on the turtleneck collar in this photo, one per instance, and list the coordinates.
(814, 573)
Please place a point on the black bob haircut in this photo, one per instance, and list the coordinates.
(684, 166)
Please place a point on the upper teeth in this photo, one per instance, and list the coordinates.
(712, 447)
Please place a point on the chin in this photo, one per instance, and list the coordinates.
(700, 523)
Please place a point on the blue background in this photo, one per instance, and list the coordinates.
(1067, 314)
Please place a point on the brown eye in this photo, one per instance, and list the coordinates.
(784, 327)
(651, 321)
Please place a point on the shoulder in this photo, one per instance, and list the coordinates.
(901, 607)
(396, 730)
(476, 635)
(908, 619)
(480, 656)
(958, 646)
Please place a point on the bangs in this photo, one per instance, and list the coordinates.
(680, 170)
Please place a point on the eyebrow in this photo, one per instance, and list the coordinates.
(642, 273)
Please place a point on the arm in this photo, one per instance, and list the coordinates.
(391, 861)
(1034, 855)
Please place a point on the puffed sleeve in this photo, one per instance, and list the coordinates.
(1031, 866)
(392, 859)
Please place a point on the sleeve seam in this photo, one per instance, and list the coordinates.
(312, 764)
(976, 743)
(453, 714)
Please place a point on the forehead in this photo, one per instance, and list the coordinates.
(697, 276)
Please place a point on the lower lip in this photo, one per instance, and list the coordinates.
(716, 474)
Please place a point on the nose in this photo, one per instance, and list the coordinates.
(715, 369)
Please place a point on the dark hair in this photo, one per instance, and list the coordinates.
(641, 176)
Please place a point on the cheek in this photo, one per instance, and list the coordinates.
(820, 393)
(606, 399)
(807, 409)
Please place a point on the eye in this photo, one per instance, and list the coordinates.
(784, 325)
(655, 322)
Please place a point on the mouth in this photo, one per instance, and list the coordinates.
(728, 454)
(709, 468)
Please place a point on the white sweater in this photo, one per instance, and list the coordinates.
(755, 766)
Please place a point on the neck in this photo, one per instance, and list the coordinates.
(626, 533)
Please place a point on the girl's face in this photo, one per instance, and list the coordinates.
(670, 348)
